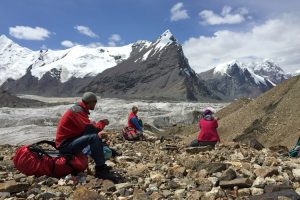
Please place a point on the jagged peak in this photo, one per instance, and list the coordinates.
(4, 39)
(167, 35)
(2, 36)
(223, 67)
(267, 65)
(164, 39)
(7, 42)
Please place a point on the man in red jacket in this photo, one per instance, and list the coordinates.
(75, 131)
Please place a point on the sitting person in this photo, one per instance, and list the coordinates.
(75, 131)
(208, 134)
(134, 131)
(295, 151)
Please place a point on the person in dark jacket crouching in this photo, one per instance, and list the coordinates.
(208, 134)
(75, 131)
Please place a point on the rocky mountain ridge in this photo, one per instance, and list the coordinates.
(149, 70)
(145, 70)
(160, 71)
(234, 79)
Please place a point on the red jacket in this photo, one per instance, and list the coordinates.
(130, 124)
(75, 122)
(208, 130)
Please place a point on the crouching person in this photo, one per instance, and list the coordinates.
(134, 130)
(75, 131)
(208, 134)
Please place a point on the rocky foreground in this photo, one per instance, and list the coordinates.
(165, 169)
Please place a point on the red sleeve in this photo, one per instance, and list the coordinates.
(81, 119)
(100, 125)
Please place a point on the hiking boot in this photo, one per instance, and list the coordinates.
(115, 153)
(103, 173)
(106, 167)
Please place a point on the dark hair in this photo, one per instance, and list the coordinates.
(207, 112)
(134, 109)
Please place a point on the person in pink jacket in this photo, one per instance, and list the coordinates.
(208, 134)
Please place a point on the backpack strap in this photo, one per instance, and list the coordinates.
(51, 143)
(39, 151)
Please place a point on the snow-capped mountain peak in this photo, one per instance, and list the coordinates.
(164, 39)
(78, 61)
(270, 70)
(3, 39)
(167, 35)
(267, 65)
(14, 59)
(231, 67)
(224, 67)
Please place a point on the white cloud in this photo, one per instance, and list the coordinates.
(29, 33)
(114, 39)
(68, 43)
(226, 16)
(178, 13)
(277, 39)
(86, 31)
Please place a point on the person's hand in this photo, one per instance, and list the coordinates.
(103, 135)
(106, 122)
(107, 142)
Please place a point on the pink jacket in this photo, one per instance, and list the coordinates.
(208, 130)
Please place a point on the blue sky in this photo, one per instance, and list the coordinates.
(211, 31)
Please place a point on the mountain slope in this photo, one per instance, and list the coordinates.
(9, 100)
(233, 80)
(272, 118)
(160, 71)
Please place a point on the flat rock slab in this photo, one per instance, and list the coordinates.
(276, 188)
(196, 150)
(170, 148)
(240, 182)
(13, 187)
